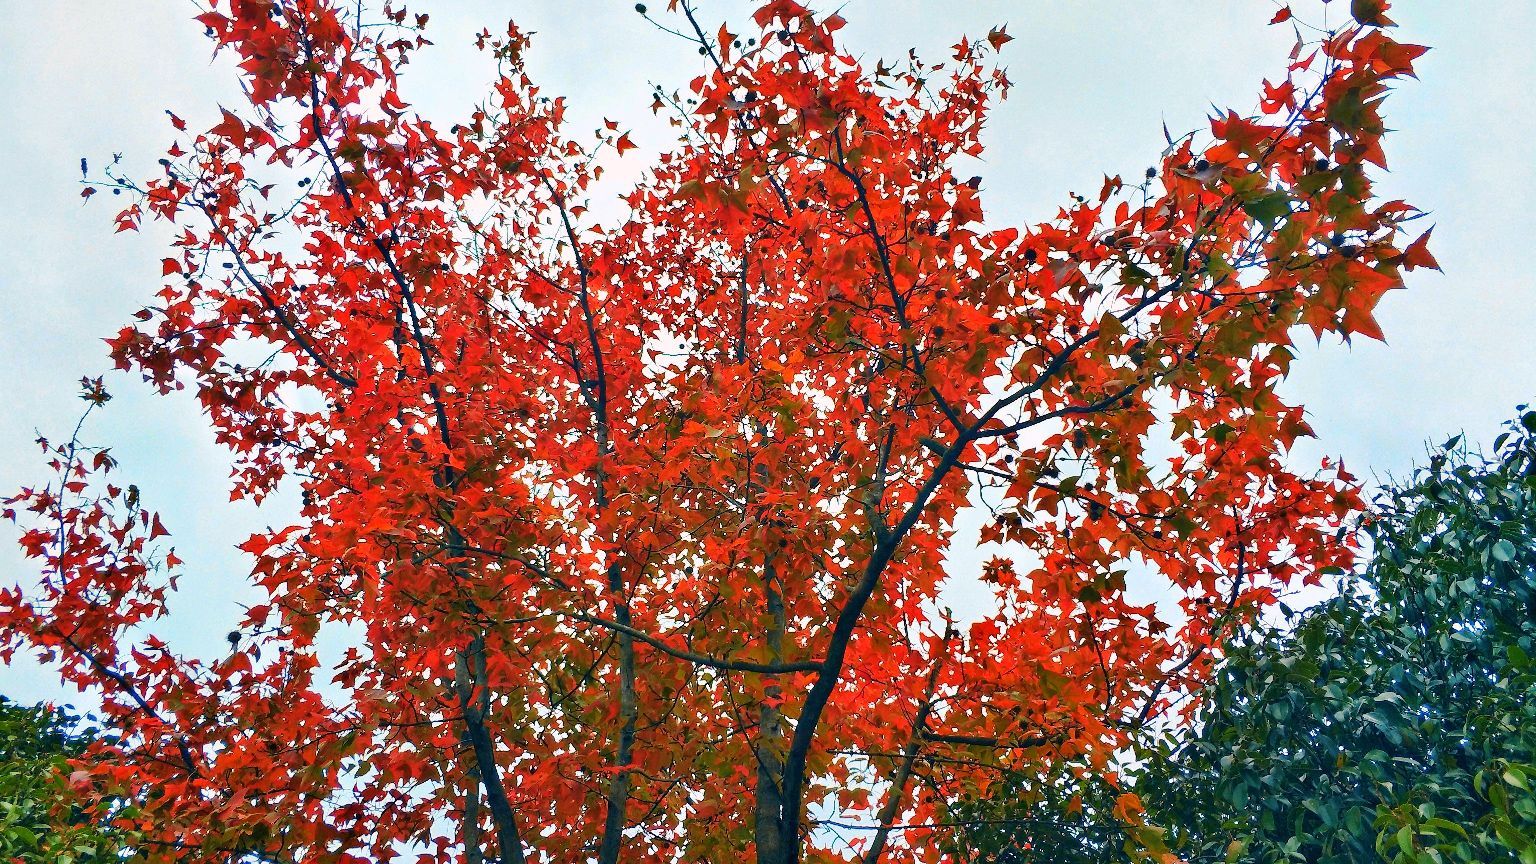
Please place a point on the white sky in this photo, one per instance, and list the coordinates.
(1095, 80)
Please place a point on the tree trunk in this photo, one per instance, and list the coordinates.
(474, 701)
(629, 712)
(768, 826)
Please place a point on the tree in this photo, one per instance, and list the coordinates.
(41, 817)
(1390, 723)
(1395, 719)
(644, 523)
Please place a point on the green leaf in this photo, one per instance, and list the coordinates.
(1504, 551)
(1516, 778)
(1518, 657)
(1269, 207)
(1405, 839)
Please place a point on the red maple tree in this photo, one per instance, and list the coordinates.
(644, 525)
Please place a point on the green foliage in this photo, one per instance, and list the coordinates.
(1063, 818)
(1393, 722)
(38, 824)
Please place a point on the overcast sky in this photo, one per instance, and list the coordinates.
(1095, 81)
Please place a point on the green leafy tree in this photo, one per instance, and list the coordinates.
(41, 819)
(1394, 722)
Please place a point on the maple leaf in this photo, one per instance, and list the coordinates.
(1416, 254)
(967, 207)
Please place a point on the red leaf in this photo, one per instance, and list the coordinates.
(967, 207)
(1417, 254)
(983, 631)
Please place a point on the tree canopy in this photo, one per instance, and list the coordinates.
(1395, 719)
(642, 525)
(42, 820)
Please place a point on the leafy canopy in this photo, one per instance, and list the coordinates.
(643, 523)
(1396, 719)
(42, 820)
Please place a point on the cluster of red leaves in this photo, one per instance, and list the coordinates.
(644, 527)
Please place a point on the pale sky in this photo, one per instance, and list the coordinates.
(1095, 81)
